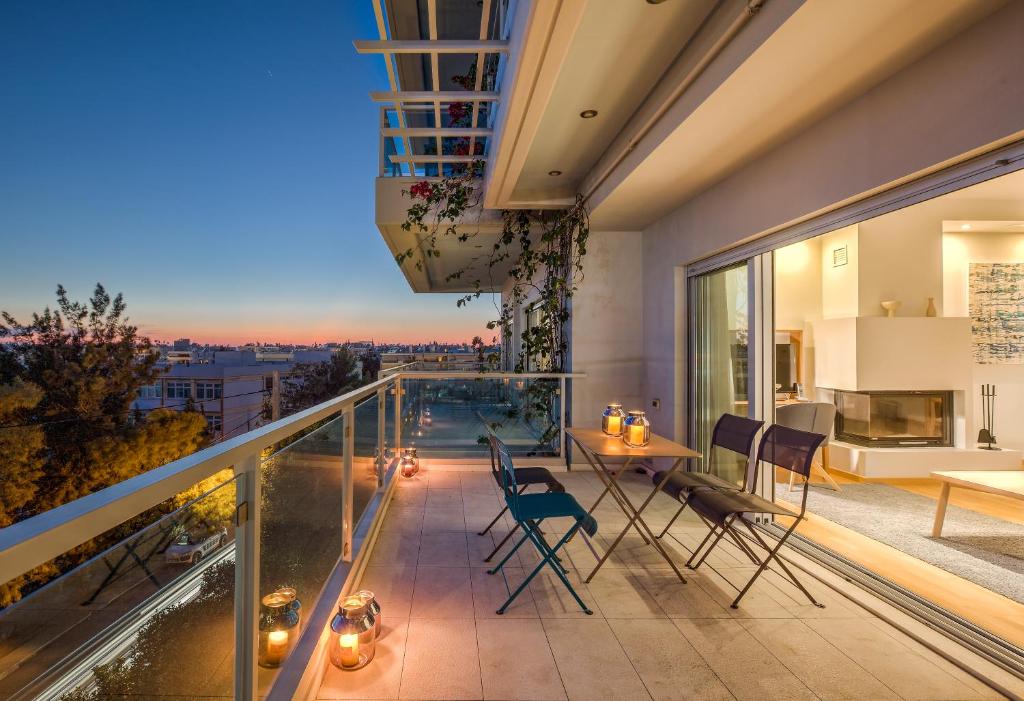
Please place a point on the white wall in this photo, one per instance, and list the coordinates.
(901, 259)
(981, 247)
(890, 133)
(607, 327)
(839, 284)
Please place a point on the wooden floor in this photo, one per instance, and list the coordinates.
(996, 613)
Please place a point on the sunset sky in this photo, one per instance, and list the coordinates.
(213, 161)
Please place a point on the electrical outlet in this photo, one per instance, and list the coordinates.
(656, 403)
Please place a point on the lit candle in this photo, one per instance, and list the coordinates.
(614, 425)
(277, 646)
(636, 434)
(349, 643)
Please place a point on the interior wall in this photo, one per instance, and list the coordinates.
(890, 133)
(901, 259)
(840, 288)
(961, 249)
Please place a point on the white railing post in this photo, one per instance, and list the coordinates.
(398, 415)
(247, 574)
(347, 483)
(382, 404)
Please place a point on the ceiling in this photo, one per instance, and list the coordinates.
(994, 227)
(821, 57)
(619, 50)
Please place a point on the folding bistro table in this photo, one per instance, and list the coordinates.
(596, 446)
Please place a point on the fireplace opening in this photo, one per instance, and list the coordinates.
(895, 419)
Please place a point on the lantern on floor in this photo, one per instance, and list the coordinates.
(612, 419)
(636, 430)
(279, 629)
(352, 639)
(409, 464)
(292, 597)
(371, 601)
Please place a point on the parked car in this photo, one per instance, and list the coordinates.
(190, 547)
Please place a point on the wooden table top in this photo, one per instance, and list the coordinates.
(595, 441)
(1009, 483)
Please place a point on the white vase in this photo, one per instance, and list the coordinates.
(890, 306)
(931, 311)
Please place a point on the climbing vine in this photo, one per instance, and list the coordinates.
(537, 255)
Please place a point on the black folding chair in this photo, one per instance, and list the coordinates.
(787, 448)
(732, 433)
(525, 477)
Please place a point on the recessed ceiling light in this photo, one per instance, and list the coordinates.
(554, 173)
(655, 2)
(588, 114)
(965, 227)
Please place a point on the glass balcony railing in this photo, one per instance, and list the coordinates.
(197, 561)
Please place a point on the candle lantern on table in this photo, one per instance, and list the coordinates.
(612, 419)
(279, 628)
(409, 464)
(352, 638)
(371, 602)
(636, 430)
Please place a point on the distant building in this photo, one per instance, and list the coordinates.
(232, 397)
(182, 344)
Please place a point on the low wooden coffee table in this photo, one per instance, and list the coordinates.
(1007, 483)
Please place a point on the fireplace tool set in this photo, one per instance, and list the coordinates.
(988, 405)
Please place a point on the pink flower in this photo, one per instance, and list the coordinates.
(421, 190)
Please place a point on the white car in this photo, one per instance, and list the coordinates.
(190, 547)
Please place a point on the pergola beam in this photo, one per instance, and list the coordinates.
(432, 97)
(439, 46)
(435, 159)
(431, 131)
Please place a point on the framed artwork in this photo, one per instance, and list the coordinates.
(996, 302)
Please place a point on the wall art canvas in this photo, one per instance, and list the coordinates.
(996, 298)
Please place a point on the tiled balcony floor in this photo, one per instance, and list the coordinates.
(650, 637)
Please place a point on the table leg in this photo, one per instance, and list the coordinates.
(636, 520)
(940, 511)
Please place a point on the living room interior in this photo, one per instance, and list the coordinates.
(905, 333)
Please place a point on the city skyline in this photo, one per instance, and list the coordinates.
(209, 162)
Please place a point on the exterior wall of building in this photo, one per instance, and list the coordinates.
(607, 326)
(962, 99)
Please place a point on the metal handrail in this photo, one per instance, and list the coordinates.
(39, 539)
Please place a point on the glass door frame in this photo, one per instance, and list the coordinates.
(760, 346)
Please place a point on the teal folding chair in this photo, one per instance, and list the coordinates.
(529, 511)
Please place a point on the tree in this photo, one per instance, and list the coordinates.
(20, 446)
(371, 364)
(310, 384)
(72, 375)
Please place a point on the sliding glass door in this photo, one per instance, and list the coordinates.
(720, 372)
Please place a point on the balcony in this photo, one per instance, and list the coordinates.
(312, 503)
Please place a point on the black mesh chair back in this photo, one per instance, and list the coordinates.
(502, 462)
(791, 449)
(737, 434)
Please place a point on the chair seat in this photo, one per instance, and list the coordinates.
(686, 481)
(533, 475)
(536, 507)
(717, 506)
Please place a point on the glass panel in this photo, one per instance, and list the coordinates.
(364, 460)
(301, 536)
(445, 418)
(152, 616)
(720, 370)
(458, 19)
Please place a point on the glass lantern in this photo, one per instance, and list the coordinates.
(371, 601)
(294, 604)
(612, 419)
(352, 641)
(409, 465)
(636, 430)
(279, 629)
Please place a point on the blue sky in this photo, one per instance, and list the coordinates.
(213, 161)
